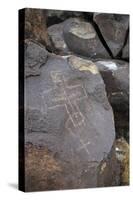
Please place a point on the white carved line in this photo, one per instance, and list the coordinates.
(84, 146)
(65, 97)
(70, 131)
(70, 117)
(83, 117)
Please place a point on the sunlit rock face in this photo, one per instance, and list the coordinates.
(122, 155)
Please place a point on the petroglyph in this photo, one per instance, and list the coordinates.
(66, 95)
(69, 96)
(84, 146)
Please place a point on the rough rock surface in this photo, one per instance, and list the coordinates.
(113, 28)
(125, 51)
(57, 16)
(42, 169)
(82, 39)
(69, 125)
(55, 33)
(36, 27)
(122, 154)
(116, 77)
(115, 74)
(35, 56)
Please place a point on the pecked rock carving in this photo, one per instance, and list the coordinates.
(70, 121)
(68, 96)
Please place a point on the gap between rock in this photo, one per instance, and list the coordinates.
(102, 39)
(119, 55)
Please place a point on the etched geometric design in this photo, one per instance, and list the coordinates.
(84, 146)
(66, 95)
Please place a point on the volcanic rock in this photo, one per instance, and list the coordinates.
(35, 56)
(116, 77)
(82, 39)
(58, 16)
(69, 127)
(125, 51)
(115, 74)
(113, 28)
(55, 33)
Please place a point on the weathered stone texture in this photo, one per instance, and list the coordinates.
(113, 28)
(68, 115)
(82, 39)
(35, 56)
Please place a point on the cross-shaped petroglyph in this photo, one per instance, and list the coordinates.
(84, 146)
(67, 95)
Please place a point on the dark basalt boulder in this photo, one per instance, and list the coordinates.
(82, 39)
(55, 33)
(113, 28)
(125, 51)
(58, 16)
(116, 77)
(69, 127)
(115, 74)
(35, 56)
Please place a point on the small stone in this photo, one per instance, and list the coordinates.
(113, 28)
(35, 56)
(82, 39)
(82, 64)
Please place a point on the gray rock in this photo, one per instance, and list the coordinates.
(61, 15)
(55, 13)
(116, 77)
(35, 56)
(82, 39)
(68, 115)
(125, 51)
(113, 29)
(55, 33)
